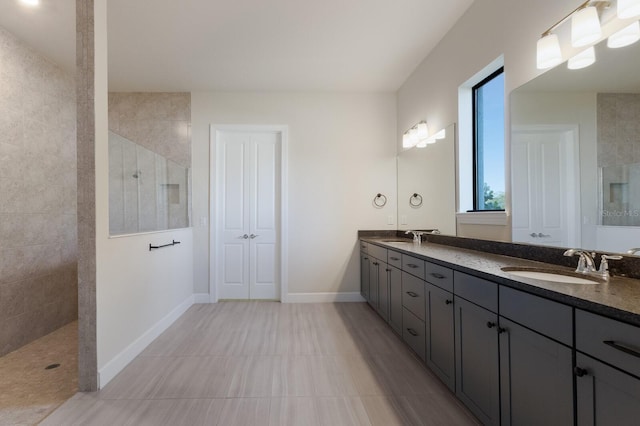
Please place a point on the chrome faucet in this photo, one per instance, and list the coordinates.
(604, 265)
(417, 236)
(633, 250)
(586, 265)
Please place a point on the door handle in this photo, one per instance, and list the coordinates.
(244, 237)
(541, 235)
(252, 236)
(534, 235)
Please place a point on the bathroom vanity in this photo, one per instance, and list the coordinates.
(514, 350)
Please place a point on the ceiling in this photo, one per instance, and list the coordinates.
(248, 45)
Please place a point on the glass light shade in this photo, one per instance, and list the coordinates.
(413, 135)
(441, 134)
(628, 9)
(548, 52)
(31, 2)
(406, 140)
(585, 27)
(423, 143)
(582, 59)
(423, 130)
(626, 36)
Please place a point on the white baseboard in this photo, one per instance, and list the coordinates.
(201, 298)
(120, 361)
(324, 297)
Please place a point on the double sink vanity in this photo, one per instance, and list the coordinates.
(514, 348)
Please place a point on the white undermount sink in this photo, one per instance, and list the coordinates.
(552, 275)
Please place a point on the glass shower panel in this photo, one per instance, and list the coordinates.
(620, 195)
(130, 186)
(176, 189)
(162, 203)
(147, 203)
(116, 185)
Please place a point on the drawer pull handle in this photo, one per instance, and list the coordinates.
(412, 265)
(580, 372)
(376, 263)
(366, 258)
(448, 302)
(412, 332)
(412, 294)
(394, 258)
(622, 348)
(491, 324)
(438, 276)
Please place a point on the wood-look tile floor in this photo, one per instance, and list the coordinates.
(266, 363)
(29, 392)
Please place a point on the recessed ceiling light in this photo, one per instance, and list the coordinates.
(31, 3)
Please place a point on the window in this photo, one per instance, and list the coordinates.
(488, 143)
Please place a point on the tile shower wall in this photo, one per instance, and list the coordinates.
(619, 158)
(160, 122)
(38, 247)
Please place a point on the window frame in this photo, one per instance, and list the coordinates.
(474, 106)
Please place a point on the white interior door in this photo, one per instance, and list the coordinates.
(545, 190)
(248, 219)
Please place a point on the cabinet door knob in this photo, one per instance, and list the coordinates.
(491, 324)
(580, 372)
(448, 302)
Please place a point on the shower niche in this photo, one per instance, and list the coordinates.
(147, 192)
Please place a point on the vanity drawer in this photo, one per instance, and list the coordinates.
(547, 317)
(611, 341)
(413, 332)
(394, 259)
(413, 294)
(378, 252)
(439, 276)
(413, 265)
(364, 247)
(476, 290)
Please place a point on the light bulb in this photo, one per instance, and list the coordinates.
(413, 135)
(628, 9)
(441, 134)
(626, 36)
(423, 130)
(31, 3)
(406, 140)
(548, 52)
(585, 27)
(582, 59)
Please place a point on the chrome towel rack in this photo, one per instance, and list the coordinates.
(172, 243)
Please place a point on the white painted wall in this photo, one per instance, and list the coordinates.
(341, 154)
(488, 29)
(137, 292)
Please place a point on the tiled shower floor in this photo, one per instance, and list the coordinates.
(29, 392)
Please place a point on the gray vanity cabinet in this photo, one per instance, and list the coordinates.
(536, 378)
(395, 299)
(607, 371)
(439, 324)
(536, 371)
(383, 290)
(476, 335)
(365, 267)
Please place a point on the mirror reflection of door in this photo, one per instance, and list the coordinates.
(545, 187)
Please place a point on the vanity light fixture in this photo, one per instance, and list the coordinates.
(415, 135)
(585, 30)
(432, 139)
(626, 36)
(582, 59)
(32, 3)
(628, 9)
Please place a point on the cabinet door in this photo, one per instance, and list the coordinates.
(383, 290)
(477, 375)
(439, 333)
(605, 396)
(374, 273)
(364, 275)
(395, 299)
(536, 374)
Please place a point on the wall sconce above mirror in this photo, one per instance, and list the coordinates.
(586, 30)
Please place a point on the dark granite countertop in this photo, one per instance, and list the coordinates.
(619, 298)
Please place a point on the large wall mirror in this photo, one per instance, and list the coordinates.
(427, 186)
(575, 160)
